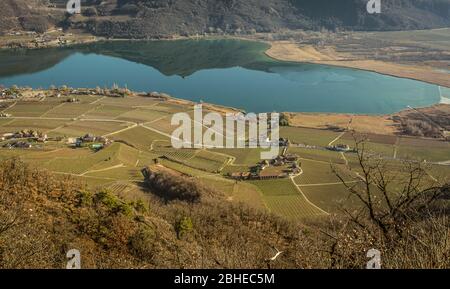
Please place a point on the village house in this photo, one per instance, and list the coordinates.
(88, 138)
(240, 176)
(267, 175)
(101, 141)
(339, 148)
(8, 135)
(284, 142)
(71, 140)
(291, 158)
(72, 100)
(42, 138)
(18, 144)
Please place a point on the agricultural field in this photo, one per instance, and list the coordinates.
(316, 172)
(377, 144)
(143, 115)
(198, 159)
(424, 149)
(283, 198)
(140, 138)
(15, 125)
(183, 169)
(82, 127)
(244, 157)
(140, 128)
(171, 108)
(162, 125)
(30, 108)
(308, 136)
(105, 111)
(69, 110)
(322, 155)
(130, 102)
(332, 198)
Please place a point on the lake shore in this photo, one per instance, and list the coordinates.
(288, 51)
(385, 124)
(279, 50)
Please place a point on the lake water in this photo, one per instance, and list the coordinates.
(226, 72)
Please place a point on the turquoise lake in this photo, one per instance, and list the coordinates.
(226, 72)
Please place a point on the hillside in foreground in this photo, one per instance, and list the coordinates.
(42, 217)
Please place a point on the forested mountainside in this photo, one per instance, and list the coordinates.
(162, 18)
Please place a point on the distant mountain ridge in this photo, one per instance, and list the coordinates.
(162, 18)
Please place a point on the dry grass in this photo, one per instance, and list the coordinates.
(289, 51)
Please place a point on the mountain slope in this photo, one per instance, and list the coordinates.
(27, 15)
(162, 18)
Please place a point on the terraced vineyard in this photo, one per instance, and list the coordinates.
(82, 127)
(107, 111)
(69, 110)
(198, 159)
(140, 138)
(322, 155)
(308, 136)
(14, 125)
(317, 172)
(283, 198)
(139, 127)
(30, 108)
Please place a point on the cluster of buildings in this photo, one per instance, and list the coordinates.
(8, 94)
(72, 100)
(18, 144)
(280, 167)
(24, 139)
(3, 114)
(339, 148)
(26, 134)
(96, 142)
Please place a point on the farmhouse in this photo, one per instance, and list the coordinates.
(266, 175)
(72, 100)
(240, 176)
(284, 142)
(18, 144)
(339, 148)
(90, 138)
(71, 140)
(42, 138)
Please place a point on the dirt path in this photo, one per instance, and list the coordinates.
(121, 130)
(344, 158)
(102, 170)
(11, 106)
(337, 138)
(303, 194)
